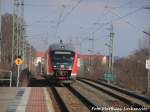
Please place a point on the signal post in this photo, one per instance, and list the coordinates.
(18, 62)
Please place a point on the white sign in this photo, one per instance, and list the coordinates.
(104, 60)
(79, 62)
(147, 64)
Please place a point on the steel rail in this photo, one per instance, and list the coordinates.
(59, 100)
(83, 99)
(124, 99)
(124, 91)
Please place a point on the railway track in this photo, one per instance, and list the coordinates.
(131, 99)
(67, 99)
(90, 96)
(82, 98)
(98, 98)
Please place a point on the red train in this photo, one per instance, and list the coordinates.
(61, 63)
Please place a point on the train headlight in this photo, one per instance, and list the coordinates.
(69, 67)
(54, 66)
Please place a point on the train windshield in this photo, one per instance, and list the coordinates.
(62, 56)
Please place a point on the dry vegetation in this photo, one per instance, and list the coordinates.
(92, 69)
(6, 62)
(7, 40)
(7, 30)
(130, 71)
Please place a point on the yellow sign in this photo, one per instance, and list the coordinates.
(18, 61)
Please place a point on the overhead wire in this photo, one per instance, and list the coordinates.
(59, 22)
(72, 9)
(119, 17)
(107, 7)
(41, 18)
(63, 18)
(104, 15)
(60, 19)
(129, 23)
(38, 5)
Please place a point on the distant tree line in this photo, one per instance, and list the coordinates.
(130, 71)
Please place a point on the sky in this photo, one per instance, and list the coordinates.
(76, 21)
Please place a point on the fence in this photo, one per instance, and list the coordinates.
(4, 78)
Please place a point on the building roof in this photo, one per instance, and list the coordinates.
(92, 57)
(39, 54)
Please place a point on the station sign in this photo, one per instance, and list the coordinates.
(18, 61)
(147, 64)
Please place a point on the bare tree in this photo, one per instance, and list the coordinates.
(131, 72)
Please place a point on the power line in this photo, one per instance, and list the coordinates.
(32, 23)
(106, 7)
(72, 9)
(104, 15)
(119, 18)
(38, 5)
(122, 18)
(60, 19)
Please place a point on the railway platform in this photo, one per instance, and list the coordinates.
(38, 76)
(25, 99)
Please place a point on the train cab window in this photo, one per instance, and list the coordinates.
(62, 56)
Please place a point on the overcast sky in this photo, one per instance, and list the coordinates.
(74, 20)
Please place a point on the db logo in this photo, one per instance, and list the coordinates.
(61, 66)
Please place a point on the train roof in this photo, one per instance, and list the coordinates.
(62, 46)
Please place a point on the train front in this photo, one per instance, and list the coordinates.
(64, 64)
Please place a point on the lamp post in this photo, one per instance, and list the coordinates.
(148, 75)
(109, 76)
(90, 60)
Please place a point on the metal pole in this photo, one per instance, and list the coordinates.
(10, 78)
(18, 76)
(0, 31)
(17, 25)
(22, 32)
(93, 43)
(12, 55)
(15, 38)
(148, 76)
(30, 60)
(112, 53)
(80, 48)
(41, 67)
(109, 64)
